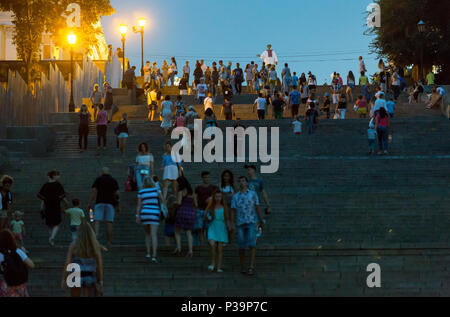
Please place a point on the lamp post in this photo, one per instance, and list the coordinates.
(72, 39)
(141, 23)
(123, 32)
(421, 27)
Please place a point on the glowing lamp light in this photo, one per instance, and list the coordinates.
(142, 22)
(71, 38)
(123, 29)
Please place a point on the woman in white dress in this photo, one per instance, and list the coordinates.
(167, 109)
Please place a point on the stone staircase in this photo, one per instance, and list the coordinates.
(336, 210)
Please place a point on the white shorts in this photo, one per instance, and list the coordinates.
(170, 173)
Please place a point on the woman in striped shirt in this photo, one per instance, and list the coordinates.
(148, 214)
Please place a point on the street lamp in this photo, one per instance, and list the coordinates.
(72, 40)
(123, 31)
(421, 26)
(141, 23)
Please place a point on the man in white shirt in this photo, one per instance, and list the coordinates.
(209, 103)
(202, 89)
(269, 56)
(260, 104)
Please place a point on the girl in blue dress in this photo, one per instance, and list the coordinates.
(218, 216)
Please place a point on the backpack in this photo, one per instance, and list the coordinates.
(14, 270)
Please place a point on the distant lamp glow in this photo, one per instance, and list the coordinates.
(421, 26)
(71, 38)
(123, 29)
(142, 22)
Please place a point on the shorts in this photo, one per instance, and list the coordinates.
(18, 236)
(123, 135)
(246, 236)
(294, 110)
(362, 111)
(104, 212)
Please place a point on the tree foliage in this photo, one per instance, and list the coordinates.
(32, 18)
(399, 40)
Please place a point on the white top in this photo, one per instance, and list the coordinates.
(269, 60)
(144, 159)
(260, 103)
(204, 67)
(297, 126)
(22, 255)
(208, 103)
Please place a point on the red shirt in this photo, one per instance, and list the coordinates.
(383, 122)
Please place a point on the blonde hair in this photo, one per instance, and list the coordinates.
(86, 245)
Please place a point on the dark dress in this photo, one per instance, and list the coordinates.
(52, 194)
(185, 218)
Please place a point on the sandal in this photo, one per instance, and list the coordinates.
(211, 268)
(189, 255)
(251, 271)
(155, 260)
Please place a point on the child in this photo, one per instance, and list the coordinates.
(297, 125)
(156, 180)
(18, 228)
(372, 136)
(390, 105)
(361, 106)
(180, 106)
(75, 217)
(179, 123)
(169, 222)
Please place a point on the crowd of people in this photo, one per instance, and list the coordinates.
(211, 213)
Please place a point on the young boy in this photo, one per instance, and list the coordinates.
(372, 136)
(297, 126)
(390, 107)
(75, 217)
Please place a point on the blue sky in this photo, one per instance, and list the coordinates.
(320, 35)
